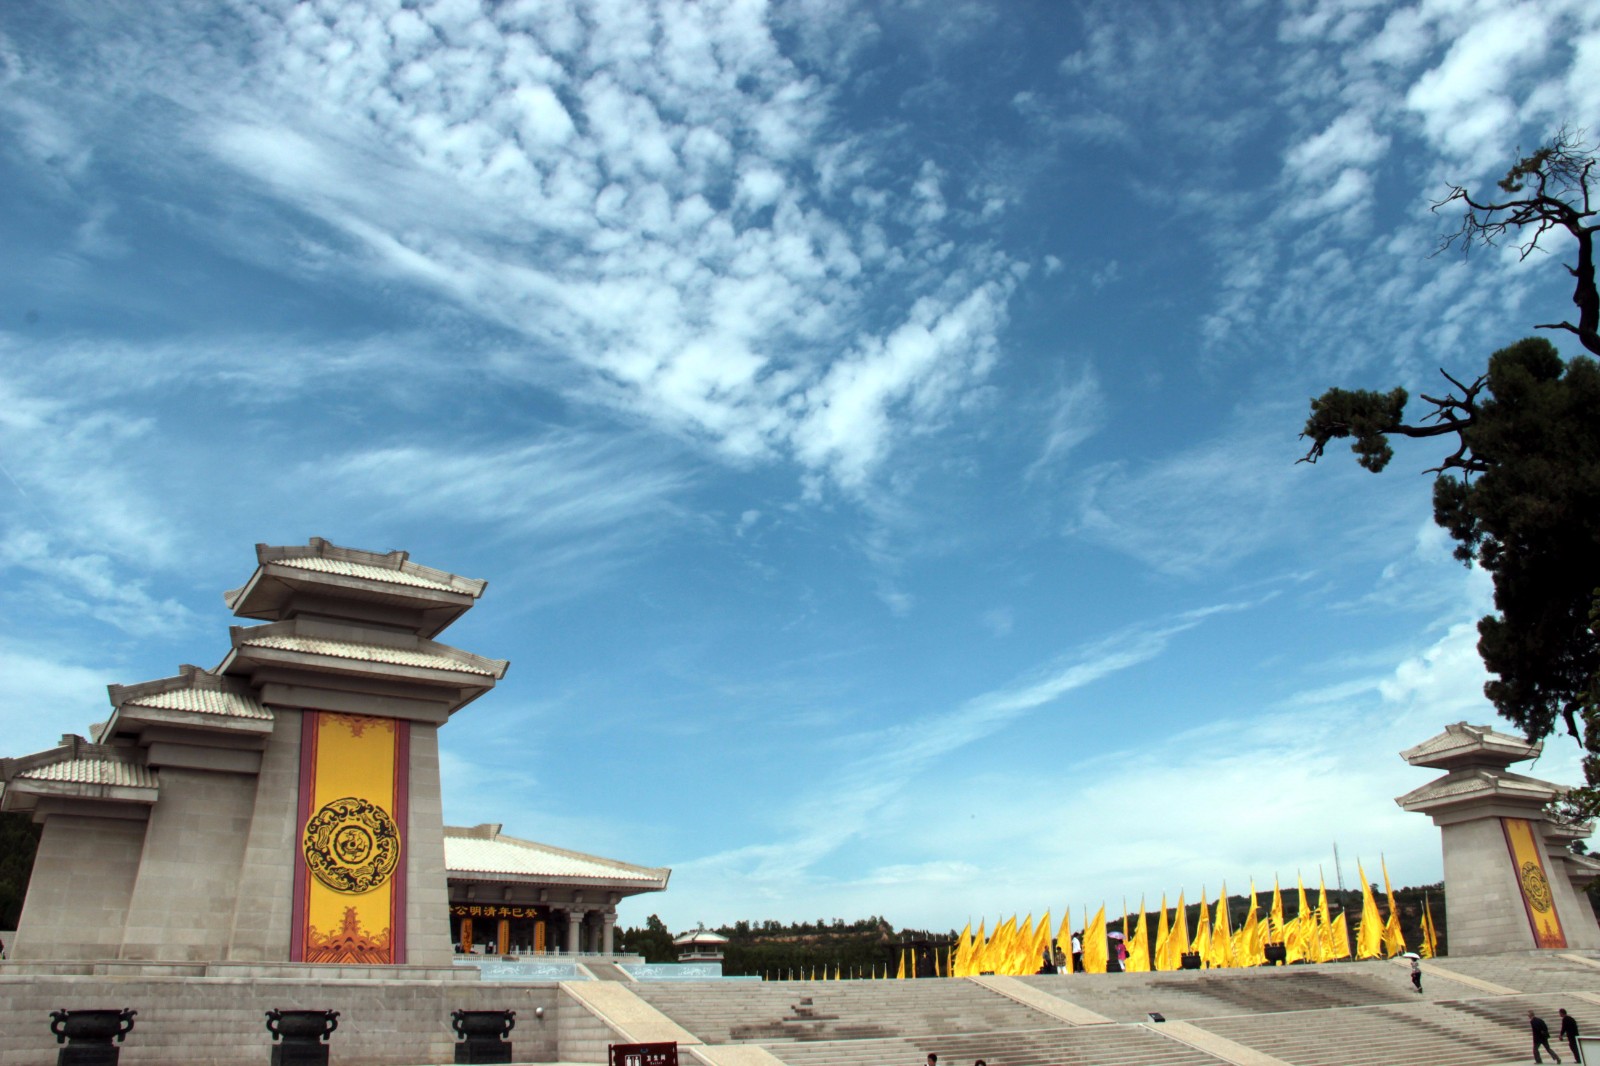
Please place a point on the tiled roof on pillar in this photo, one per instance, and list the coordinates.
(1462, 745)
(193, 697)
(391, 575)
(328, 648)
(94, 771)
(360, 651)
(323, 579)
(1465, 786)
(76, 770)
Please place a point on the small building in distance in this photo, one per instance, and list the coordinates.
(700, 945)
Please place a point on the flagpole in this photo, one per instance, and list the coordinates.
(1338, 875)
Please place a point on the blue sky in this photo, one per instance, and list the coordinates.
(876, 422)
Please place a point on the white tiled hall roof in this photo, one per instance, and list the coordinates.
(474, 851)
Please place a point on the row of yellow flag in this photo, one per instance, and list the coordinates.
(1312, 935)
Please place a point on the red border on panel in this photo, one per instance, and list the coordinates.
(309, 728)
(402, 815)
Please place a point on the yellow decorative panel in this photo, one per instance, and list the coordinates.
(350, 870)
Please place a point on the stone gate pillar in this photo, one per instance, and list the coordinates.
(1510, 882)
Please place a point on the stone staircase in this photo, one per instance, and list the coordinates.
(1473, 1013)
(1482, 1032)
(1130, 997)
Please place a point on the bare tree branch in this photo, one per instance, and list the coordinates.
(1558, 181)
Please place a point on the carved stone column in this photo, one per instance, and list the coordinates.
(575, 918)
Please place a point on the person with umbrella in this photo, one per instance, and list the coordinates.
(1416, 970)
(1120, 951)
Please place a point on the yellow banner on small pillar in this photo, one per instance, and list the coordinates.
(350, 877)
(1534, 883)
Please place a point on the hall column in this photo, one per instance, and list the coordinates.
(575, 917)
(609, 931)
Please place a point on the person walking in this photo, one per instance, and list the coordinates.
(1077, 954)
(1416, 975)
(1569, 1032)
(1541, 1036)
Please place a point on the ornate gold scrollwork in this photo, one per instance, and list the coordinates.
(1535, 886)
(352, 845)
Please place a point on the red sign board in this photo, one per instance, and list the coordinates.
(663, 1054)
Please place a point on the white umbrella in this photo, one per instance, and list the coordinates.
(1116, 936)
(1409, 955)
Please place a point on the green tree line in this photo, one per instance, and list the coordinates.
(871, 944)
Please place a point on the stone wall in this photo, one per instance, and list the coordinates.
(192, 851)
(69, 914)
(1477, 867)
(427, 888)
(581, 1036)
(222, 1021)
(264, 901)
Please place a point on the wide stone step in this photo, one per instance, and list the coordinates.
(1084, 1046)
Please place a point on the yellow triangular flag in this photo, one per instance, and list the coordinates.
(1221, 954)
(1394, 940)
(1369, 938)
(1275, 915)
(1094, 943)
(1164, 939)
(1201, 945)
(1139, 945)
(1180, 934)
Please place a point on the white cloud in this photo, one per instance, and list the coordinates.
(927, 362)
(999, 620)
(563, 486)
(988, 845)
(1464, 102)
(1077, 412)
(849, 805)
(1196, 511)
(90, 583)
(650, 198)
(62, 462)
(43, 695)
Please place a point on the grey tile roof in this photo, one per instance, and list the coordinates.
(348, 568)
(91, 771)
(203, 701)
(1462, 741)
(371, 653)
(1462, 785)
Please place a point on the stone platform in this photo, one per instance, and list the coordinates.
(1472, 1013)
